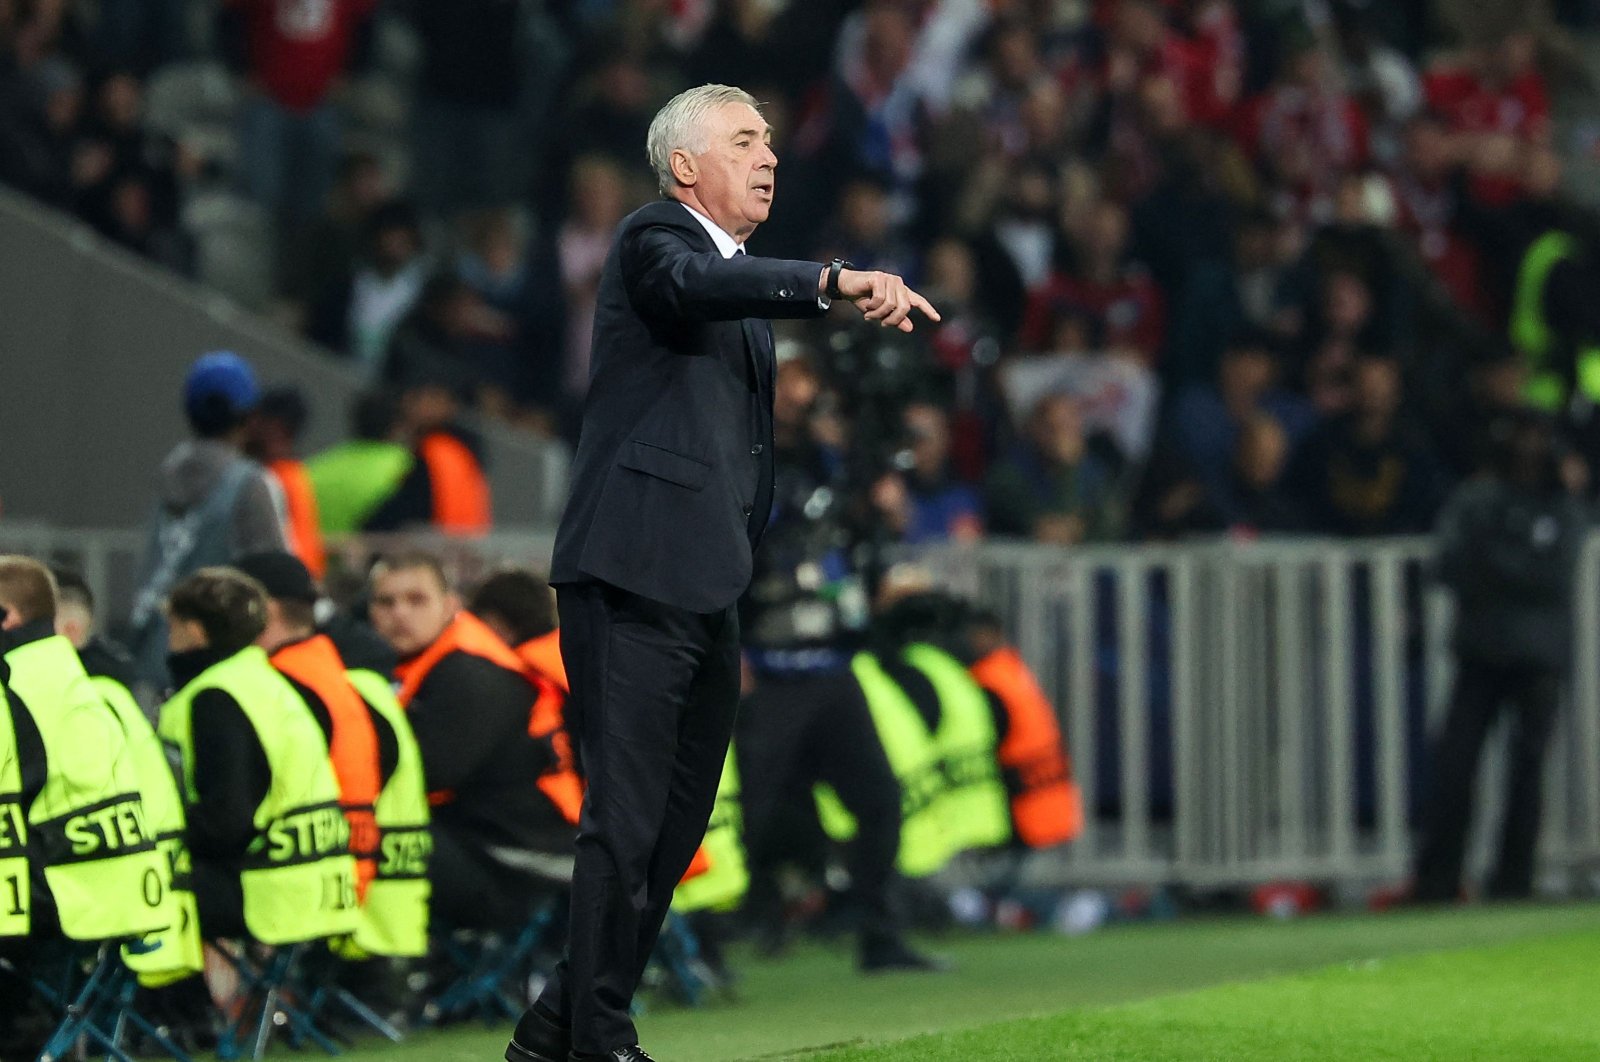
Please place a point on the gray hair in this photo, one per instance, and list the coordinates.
(680, 125)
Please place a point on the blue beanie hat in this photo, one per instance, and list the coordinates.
(220, 384)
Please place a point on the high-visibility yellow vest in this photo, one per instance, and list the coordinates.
(298, 877)
(88, 825)
(925, 844)
(724, 885)
(15, 893)
(974, 805)
(176, 951)
(394, 917)
(1547, 385)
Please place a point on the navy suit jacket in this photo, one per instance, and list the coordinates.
(672, 482)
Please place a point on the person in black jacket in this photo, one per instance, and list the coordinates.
(497, 838)
(1508, 546)
(672, 487)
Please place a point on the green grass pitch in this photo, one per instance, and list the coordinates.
(1504, 983)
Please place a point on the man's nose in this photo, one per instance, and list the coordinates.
(771, 160)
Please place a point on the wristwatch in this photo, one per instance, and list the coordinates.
(837, 266)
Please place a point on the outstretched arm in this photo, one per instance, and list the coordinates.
(670, 281)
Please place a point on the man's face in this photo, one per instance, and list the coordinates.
(734, 178)
(411, 608)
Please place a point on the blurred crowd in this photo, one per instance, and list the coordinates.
(1249, 266)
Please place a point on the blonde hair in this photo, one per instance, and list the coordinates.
(681, 125)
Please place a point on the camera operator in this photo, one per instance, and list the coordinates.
(1508, 547)
(807, 720)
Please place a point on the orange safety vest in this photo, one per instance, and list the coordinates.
(305, 524)
(1046, 806)
(543, 655)
(460, 491)
(468, 634)
(353, 748)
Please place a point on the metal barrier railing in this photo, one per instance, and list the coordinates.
(1236, 711)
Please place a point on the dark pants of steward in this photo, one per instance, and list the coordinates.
(654, 693)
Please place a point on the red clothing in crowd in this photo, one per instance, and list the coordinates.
(1468, 104)
(1127, 313)
(1427, 212)
(299, 48)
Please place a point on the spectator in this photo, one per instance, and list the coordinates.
(504, 268)
(1020, 240)
(864, 232)
(1381, 79)
(320, 258)
(1052, 489)
(1428, 193)
(937, 507)
(1172, 501)
(213, 503)
(451, 336)
(1304, 133)
(1259, 502)
(1207, 420)
(289, 128)
(40, 125)
(966, 346)
(469, 151)
(1496, 102)
(470, 701)
(274, 433)
(363, 314)
(599, 198)
(1366, 473)
(610, 112)
(1121, 305)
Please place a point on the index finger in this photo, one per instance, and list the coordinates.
(924, 305)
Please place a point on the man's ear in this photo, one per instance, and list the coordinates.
(683, 167)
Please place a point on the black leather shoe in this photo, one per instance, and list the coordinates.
(892, 954)
(631, 1053)
(539, 1038)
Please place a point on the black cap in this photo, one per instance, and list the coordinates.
(282, 574)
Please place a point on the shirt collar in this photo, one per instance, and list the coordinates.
(727, 246)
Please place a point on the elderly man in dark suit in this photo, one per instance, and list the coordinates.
(672, 487)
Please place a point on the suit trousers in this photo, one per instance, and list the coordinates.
(1532, 696)
(655, 689)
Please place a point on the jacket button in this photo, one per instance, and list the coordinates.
(785, 293)
(756, 449)
(748, 509)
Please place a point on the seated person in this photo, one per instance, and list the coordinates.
(76, 787)
(312, 664)
(472, 704)
(373, 753)
(520, 607)
(270, 849)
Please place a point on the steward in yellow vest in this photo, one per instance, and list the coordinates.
(374, 757)
(175, 952)
(95, 871)
(268, 842)
(15, 882)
